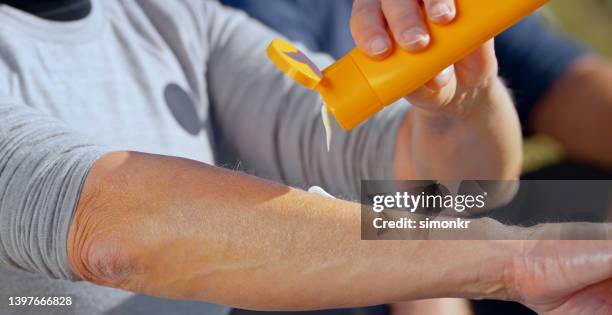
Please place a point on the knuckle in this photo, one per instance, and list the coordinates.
(406, 13)
(357, 23)
(365, 21)
(365, 7)
(406, 20)
(364, 31)
(402, 10)
(403, 16)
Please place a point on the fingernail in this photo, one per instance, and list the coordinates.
(440, 11)
(415, 38)
(378, 46)
(444, 77)
(447, 72)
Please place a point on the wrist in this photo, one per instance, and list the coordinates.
(480, 141)
(490, 273)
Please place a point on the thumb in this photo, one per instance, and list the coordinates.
(478, 66)
(436, 94)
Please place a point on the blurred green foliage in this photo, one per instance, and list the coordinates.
(589, 21)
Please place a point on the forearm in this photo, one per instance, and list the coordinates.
(483, 144)
(577, 111)
(181, 229)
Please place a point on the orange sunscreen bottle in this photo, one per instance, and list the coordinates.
(357, 86)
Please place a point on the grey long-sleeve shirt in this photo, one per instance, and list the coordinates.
(185, 78)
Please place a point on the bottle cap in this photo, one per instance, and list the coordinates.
(294, 63)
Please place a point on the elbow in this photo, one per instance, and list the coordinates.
(98, 255)
(107, 262)
(98, 251)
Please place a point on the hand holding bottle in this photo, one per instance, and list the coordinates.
(376, 24)
(467, 126)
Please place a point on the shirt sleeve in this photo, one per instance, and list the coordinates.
(531, 59)
(274, 126)
(43, 164)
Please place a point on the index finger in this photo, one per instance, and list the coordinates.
(368, 27)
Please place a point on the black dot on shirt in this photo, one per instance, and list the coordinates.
(183, 109)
